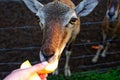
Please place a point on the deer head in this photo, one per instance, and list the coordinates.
(113, 9)
(60, 23)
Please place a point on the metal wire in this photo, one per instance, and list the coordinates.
(24, 27)
(95, 65)
(87, 56)
(10, 0)
(74, 58)
(17, 49)
(100, 64)
(15, 63)
(38, 47)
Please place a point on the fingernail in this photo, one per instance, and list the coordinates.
(45, 63)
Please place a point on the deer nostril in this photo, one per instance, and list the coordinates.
(46, 56)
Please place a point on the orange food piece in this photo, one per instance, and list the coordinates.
(50, 67)
(95, 47)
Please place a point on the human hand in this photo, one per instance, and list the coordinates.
(25, 74)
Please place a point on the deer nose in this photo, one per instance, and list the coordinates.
(45, 56)
(111, 14)
(111, 11)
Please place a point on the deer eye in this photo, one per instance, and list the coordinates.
(38, 19)
(40, 24)
(73, 20)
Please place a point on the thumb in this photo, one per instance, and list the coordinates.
(38, 67)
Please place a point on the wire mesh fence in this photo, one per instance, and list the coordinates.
(81, 48)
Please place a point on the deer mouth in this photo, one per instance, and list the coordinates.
(52, 62)
(50, 59)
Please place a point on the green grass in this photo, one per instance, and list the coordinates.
(111, 74)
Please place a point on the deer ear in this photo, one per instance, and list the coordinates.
(86, 7)
(33, 5)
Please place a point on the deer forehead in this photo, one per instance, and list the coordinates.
(56, 11)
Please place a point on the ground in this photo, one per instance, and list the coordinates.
(14, 17)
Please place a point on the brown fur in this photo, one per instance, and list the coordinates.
(56, 35)
(53, 38)
(67, 2)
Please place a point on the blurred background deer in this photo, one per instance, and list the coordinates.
(110, 27)
(60, 23)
